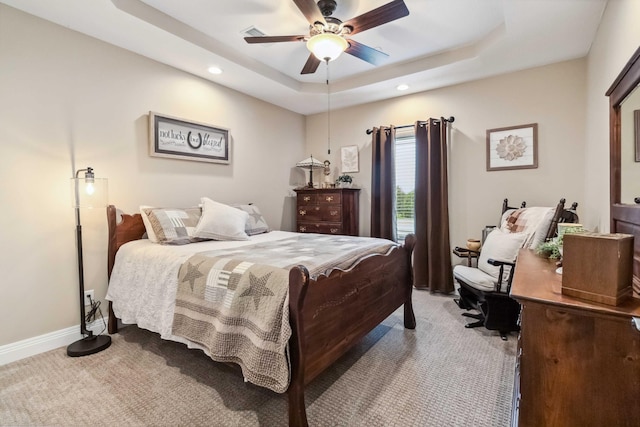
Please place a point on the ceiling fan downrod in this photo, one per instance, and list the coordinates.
(327, 7)
(331, 25)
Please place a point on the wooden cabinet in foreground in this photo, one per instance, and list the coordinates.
(578, 361)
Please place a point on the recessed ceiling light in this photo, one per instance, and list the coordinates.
(402, 87)
(215, 70)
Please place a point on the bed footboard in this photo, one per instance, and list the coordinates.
(331, 314)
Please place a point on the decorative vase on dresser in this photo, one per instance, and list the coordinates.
(327, 211)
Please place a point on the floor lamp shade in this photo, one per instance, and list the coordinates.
(88, 192)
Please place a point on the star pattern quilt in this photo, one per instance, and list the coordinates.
(234, 302)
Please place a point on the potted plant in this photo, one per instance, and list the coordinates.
(553, 248)
(550, 249)
(344, 181)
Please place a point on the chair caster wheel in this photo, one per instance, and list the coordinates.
(474, 324)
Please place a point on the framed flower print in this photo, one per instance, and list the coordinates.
(514, 147)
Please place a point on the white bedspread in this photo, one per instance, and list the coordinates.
(144, 283)
(154, 269)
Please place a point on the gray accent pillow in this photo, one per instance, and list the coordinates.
(256, 224)
(174, 226)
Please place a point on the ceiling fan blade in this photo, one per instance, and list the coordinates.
(366, 53)
(274, 39)
(311, 66)
(381, 15)
(310, 10)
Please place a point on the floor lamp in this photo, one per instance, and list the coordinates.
(88, 192)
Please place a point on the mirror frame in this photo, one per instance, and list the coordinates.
(624, 218)
(622, 86)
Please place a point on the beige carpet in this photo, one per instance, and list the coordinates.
(441, 374)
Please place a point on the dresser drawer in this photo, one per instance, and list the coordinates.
(330, 198)
(320, 213)
(330, 228)
(305, 199)
(319, 227)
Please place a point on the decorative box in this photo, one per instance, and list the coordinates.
(597, 267)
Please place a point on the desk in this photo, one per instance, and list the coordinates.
(578, 362)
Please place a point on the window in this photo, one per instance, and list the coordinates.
(405, 181)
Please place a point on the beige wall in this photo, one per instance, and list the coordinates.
(618, 37)
(69, 101)
(552, 96)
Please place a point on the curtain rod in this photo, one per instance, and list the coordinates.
(450, 120)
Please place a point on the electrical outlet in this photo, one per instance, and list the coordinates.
(88, 294)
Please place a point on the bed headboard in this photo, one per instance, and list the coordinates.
(123, 228)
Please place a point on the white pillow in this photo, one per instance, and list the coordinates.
(151, 235)
(221, 222)
(542, 230)
(500, 246)
(534, 222)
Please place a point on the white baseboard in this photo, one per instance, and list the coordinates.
(36, 345)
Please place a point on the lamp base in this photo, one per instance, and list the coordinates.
(89, 345)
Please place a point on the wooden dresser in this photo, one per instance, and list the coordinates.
(327, 211)
(578, 362)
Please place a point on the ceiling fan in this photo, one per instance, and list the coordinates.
(328, 35)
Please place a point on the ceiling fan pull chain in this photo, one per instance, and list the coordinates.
(328, 112)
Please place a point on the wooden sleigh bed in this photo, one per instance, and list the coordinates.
(327, 315)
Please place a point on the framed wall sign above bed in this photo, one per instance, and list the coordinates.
(176, 138)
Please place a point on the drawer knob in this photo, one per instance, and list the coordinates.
(303, 229)
(333, 213)
(306, 198)
(329, 198)
(334, 230)
(303, 212)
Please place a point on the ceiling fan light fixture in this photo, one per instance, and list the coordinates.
(327, 45)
